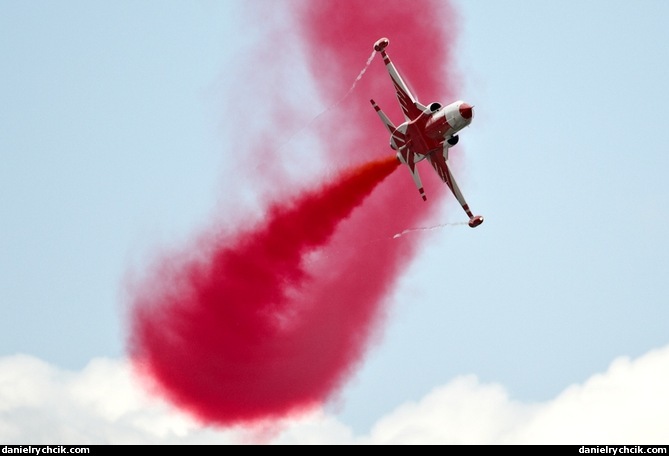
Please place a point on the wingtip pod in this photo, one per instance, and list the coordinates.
(475, 221)
(381, 44)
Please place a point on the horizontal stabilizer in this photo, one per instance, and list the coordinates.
(384, 118)
(408, 158)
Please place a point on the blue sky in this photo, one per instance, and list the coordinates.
(113, 144)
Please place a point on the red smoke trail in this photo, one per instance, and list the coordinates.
(274, 320)
(238, 337)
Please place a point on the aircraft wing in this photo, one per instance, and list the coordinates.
(439, 161)
(406, 99)
(410, 107)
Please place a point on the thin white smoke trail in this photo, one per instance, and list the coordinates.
(369, 62)
(427, 228)
(395, 236)
(333, 105)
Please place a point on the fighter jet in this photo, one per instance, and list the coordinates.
(428, 132)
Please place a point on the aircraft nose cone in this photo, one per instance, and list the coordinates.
(466, 111)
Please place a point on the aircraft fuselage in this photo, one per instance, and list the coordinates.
(428, 132)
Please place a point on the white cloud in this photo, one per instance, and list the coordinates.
(627, 403)
(103, 404)
(463, 411)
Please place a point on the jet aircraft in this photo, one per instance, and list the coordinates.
(428, 132)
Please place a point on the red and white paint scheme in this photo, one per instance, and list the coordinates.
(428, 132)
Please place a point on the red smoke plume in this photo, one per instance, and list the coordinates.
(238, 337)
(274, 320)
